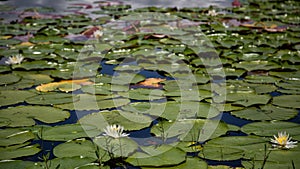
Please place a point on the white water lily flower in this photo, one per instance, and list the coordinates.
(283, 141)
(115, 131)
(98, 34)
(15, 59)
(212, 13)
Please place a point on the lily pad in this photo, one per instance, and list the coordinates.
(9, 79)
(16, 164)
(26, 115)
(103, 89)
(34, 65)
(143, 94)
(20, 150)
(125, 119)
(247, 99)
(157, 156)
(270, 163)
(266, 112)
(233, 148)
(127, 78)
(190, 129)
(52, 98)
(94, 102)
(12, 136)
(290, 101)
(85, 148)
(272, 128)
(67, 132)
(121, 147)
(66, 162)
(257, 65)
(10, 97)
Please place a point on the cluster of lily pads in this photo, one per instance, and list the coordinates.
(242, 61)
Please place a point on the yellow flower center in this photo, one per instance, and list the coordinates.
(282, 140)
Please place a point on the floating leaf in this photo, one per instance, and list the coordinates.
(94, 102)
(270, 163)
(9, 79)
(157, 156)
(256, 65)
(36, 77)
(247, 99)
(121, 147)
(33, 65)
(52, 98)
(233, 148)
(152, 82)
(126, 78)
(10, 97)
(261, 79)
(12, 136)
(18, 151)
(290, 101)
(16, 164)
(65, 85)
(26, 115)
(66, 162)
(267, 112)
(67, 132)
(190, 129)
(272, 128)
(125, 119)
(85, 148)
(143, 94)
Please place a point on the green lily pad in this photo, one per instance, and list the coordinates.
(26, 115)
(272, 128)
(157, 156)
(247, 99)
(257, 65)
(10, 97)
(85, 148)
(270, 164)
(290, 101)
(18, 151)
(52, 98)
(16, 164)
(44, 39)
(66, 162)
(94, 102)
(120, 147)
(126, 78)
(9, 42)
(233, 148)
(261, 79)
(9, 79)
(190, 129)
(4, 69)
(67, 132)
(143, 94)
(103, 89)
(123, 118)
(34, 65)
(289, 86)
(290, 75)
(266, 112)
(36, 77)
(12, 136)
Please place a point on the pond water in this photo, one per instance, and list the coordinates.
(205, 85)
